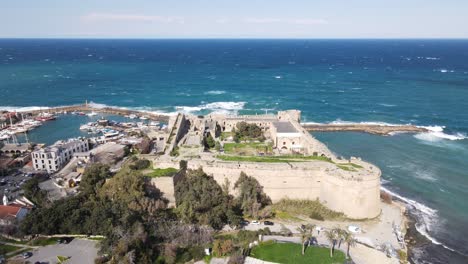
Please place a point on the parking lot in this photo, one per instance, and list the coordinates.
(79, 251)
(11, 184)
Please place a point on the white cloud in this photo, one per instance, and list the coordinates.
(92, 17)
(300, 21)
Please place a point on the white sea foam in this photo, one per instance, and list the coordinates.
(22, 108)
(387, 105)
(215, 92)
(215, 107)
(341, 122)
(436, 133)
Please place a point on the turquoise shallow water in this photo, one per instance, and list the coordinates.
(423, 82)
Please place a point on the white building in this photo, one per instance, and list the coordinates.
(53, 158)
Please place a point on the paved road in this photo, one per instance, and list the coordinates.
(81, 251)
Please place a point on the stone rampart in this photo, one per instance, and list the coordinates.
(356, 194)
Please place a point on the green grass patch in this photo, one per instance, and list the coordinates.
(5, 249)
(286, 216)
(168, 172)
(345, 167)
(291, 253)
(279, 159)
(225, 135)
(62, 259)
(307, 208)
(8, 240)
(355, 165)
(273, 159)
(247, 149)
(43, 241)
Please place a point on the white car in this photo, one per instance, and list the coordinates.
(354, 229)
(255, 222)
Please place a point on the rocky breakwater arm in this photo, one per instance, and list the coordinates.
(106, 110)
(377, 129)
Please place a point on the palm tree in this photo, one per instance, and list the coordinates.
(331, 237)
(350, 241)
(310, 229)
(306, 234)
(340, 233)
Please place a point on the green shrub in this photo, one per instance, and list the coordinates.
(140, 164)
(316, 216)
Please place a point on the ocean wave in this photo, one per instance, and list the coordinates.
(215, 92)
(436, 133)
(23, 108)
(426, 218)
(387, 105)
(215, 107)
(376, 123)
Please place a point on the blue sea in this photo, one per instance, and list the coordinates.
(420, 82)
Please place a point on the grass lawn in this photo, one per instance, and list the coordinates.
(311, 208)
(42, 241)
(250, 148)
(273, 159)
(286, 253)
(4, 249)
(168, 172)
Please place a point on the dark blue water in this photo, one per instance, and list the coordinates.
(423, 82)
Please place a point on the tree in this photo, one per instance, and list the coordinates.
(245, 130)
(331, 237)
(340, 233)
(201, 200)
(93, 178)
(209, 142)
(285, 231)
(34, 193)
(306, 234)
(251, 197)
(349, 240)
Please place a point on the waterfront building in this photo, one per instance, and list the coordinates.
(53, 158)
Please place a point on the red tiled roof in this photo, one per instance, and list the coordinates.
(8, 211)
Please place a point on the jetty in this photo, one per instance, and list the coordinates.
(86, 108)
(376, 129)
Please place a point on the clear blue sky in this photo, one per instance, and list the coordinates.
(234, 19)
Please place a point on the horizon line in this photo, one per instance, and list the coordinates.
(232, 38)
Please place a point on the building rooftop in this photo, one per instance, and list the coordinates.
(16, 147)
(8, 211)
(285, 127)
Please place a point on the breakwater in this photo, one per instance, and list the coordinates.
(86, 108)
(376, 129)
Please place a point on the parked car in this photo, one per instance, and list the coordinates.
(245, 222)
(27, 255)
(255, 222)
(268, 223)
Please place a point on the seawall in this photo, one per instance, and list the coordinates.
(382, 130)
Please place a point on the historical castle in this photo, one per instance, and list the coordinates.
(348, 186)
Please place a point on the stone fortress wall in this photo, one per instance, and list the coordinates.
(355, 192)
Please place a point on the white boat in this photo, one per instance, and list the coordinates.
(4, 136)
(92, 114)
(132, 116)
(143, 118)
(153, 124)
(87, 127)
